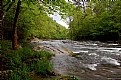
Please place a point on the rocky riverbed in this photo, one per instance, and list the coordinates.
(87, 60)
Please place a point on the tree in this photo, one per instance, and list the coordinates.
(48, 6)
(15, 37)
(101, 22)
(4, 8)
(1, 19)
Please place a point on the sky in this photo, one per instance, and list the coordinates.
(58, 19)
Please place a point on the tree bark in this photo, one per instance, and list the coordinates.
(15, 37)
(1, 19)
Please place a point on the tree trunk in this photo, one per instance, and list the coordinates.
(1, 19)
(15, 37)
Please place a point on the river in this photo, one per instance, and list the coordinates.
(87, 60)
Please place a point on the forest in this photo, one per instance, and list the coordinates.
(24, 20)
(98, 21)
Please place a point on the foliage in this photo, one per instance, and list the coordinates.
(46, 7)
(24, 61)
(98, 23)
(34, 22)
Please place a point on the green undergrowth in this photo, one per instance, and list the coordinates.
(26, 64)
(23, 62)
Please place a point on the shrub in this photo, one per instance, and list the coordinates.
(24, 61)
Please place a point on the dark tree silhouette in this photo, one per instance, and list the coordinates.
(15, 37)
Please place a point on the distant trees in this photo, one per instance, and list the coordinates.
(100, 23)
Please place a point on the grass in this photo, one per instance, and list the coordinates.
(24, 61)
(26, 64)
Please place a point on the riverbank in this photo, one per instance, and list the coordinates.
(91, 60)
(20, 64)
(27, 64)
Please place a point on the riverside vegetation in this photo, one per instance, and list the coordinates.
(27, 64)
(21, 20)
(23, 63)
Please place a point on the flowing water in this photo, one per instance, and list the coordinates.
(92, 60)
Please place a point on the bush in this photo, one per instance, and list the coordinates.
(20, 74)
(24, 61)
(5, 45)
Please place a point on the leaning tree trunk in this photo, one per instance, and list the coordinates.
(15, 37)
(1, 19)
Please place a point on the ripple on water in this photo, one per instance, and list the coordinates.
(80, 52)
(90, 56)
(108, 60)
(93, 54)
(91, 66)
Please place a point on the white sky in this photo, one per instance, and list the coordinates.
(58, 19)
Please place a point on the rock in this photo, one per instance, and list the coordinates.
(38, 48)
